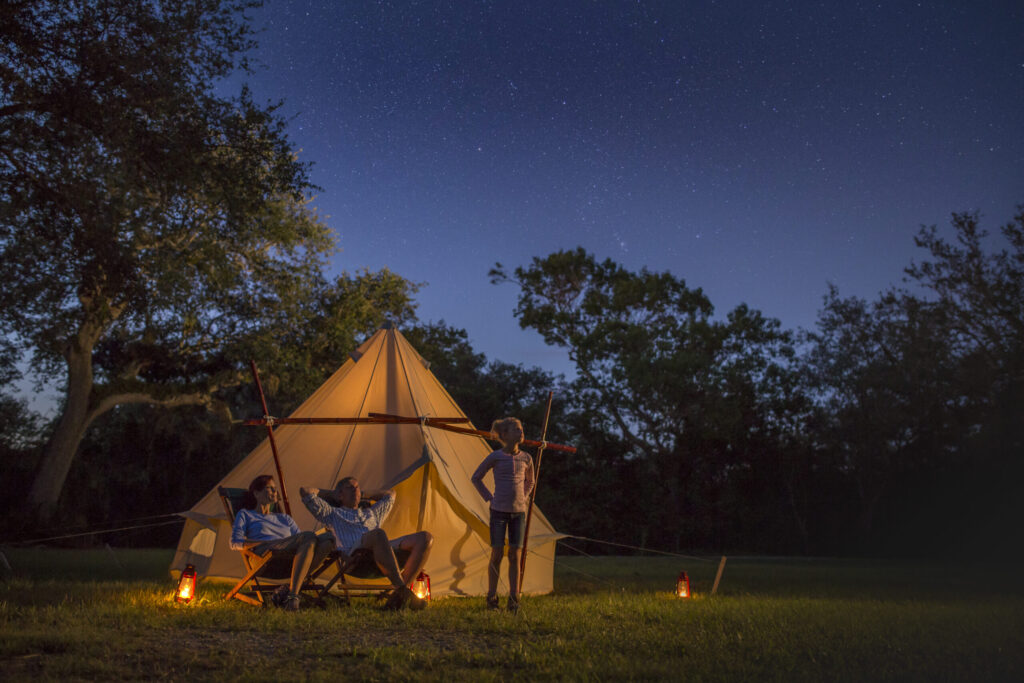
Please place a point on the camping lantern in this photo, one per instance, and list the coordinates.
(421, 586)
(186, 585)
(683, 585)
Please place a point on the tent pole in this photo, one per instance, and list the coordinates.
(533, 493)
(384, 418)
(270, 435)
(441, 423)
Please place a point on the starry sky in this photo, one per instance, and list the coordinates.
(757, 150)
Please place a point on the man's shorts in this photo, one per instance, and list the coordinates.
(512, 523)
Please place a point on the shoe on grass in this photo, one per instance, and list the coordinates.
(279, 597)
(395, 601)
(513, 605)
(404, 597)
(492, 602)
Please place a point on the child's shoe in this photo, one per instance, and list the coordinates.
(513, 605)
(492, 602)
(279, 597)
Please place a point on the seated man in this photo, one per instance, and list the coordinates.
(358, 528)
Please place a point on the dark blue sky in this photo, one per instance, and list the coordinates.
(757, 150)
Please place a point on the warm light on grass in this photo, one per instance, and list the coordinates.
(609, 619)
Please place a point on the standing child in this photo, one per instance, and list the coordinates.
(513, 481)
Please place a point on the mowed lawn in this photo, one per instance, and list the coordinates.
(108, 615)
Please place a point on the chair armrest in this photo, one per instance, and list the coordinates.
(253, 555)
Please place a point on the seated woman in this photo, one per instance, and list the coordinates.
(259, 530)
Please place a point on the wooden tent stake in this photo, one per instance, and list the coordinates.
(533, 493)
(718, 576)
(269, 422)
(120, 566)
(8, 571)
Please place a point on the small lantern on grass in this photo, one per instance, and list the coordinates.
(421, 586)
(186, 585)
(683, 585)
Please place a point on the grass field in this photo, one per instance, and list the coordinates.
(107, 615)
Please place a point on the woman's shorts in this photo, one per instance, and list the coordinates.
(287, 547)
(513, 523)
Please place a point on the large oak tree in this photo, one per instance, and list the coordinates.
(150, 229)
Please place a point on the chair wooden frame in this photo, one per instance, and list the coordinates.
(358, 565)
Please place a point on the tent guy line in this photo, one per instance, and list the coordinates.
(97, 532)
(184, 513)
(631, 547)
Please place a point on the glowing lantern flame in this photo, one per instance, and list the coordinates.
(683, 585)
(186, 585)
(421, 586)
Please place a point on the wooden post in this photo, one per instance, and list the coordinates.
(444, 423)
(114, 558)
(8, 572)
(533, 493)
(385, 419)
(270, 435)
(718, 576)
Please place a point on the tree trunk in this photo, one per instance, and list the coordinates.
(866, 519)
(67, 435)
(798, 518)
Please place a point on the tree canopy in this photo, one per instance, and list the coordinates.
(152, 231)
(892, 426)
(685, 394)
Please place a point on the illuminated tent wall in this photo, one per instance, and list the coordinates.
(429, 469)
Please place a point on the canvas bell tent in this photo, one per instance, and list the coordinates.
(428, 468)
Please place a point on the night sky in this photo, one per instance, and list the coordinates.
(757, 150)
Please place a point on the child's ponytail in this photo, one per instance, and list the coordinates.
(499, 425)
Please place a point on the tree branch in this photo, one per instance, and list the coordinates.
(114, 400)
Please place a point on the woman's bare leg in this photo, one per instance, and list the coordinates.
(301, 563)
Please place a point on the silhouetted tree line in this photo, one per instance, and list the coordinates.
(891, 428)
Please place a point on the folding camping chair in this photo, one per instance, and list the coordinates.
(359, 565)
(273, 569)
(276, 571)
